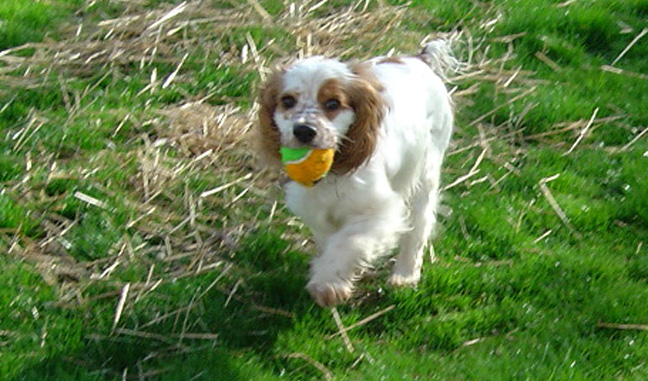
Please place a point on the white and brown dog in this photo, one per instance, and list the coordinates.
(390, 121)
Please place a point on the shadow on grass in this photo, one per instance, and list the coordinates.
(200, 327)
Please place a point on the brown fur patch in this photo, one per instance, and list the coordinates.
(369, 107)
(332, 89)
(269, 139)
(394, 60)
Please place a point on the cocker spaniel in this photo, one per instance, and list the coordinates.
(389, 120)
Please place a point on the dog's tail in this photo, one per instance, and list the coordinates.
(438, 54)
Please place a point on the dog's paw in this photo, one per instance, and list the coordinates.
(331, 293)
(404, 280)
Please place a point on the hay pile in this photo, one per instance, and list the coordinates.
(189, 231)
(206, 134)
(177, 229)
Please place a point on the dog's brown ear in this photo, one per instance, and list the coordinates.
(368, 105)
(269, 139)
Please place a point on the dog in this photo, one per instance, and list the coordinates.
(389, 120)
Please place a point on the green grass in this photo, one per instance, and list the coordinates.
(516, 294)
(31, 21)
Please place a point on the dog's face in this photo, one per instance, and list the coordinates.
(314, 109)
(322, 103)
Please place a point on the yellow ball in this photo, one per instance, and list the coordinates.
(307, 165)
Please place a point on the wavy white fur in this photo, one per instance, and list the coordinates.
(389, 198)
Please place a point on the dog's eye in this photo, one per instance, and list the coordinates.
(332, 104)
(288, 102)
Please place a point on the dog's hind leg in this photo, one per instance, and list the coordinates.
(423, 205)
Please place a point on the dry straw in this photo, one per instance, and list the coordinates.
(206, 135)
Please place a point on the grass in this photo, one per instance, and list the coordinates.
(122, 181)
(31, 21)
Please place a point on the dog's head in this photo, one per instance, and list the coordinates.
(322, 103)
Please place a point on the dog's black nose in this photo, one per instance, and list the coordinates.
(304, 133)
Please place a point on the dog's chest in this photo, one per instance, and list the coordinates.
(327, 206)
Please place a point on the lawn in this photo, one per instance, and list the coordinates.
(140, 238)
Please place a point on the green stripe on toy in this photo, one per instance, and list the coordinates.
(293, 155)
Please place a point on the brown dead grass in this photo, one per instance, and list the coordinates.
(183, 232)
(186, 231)
(197, 136)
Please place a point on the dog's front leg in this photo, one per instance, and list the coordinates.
(347, 252)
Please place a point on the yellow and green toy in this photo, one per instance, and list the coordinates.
(307, 165)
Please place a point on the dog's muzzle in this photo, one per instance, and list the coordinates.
(304, 133)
